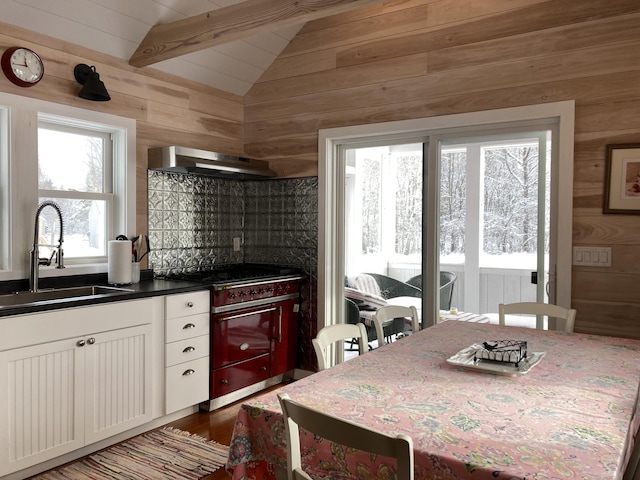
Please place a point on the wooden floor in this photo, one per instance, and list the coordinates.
(216, 426)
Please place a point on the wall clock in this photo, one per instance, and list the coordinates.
(22, 66)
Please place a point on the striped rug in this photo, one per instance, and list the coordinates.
(166, 453)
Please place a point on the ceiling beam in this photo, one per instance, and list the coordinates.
(235, 22)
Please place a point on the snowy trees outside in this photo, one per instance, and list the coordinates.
(70, 171)
(510, 195)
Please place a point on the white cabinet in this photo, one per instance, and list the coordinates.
(186, 350)
(117, 386)
(61, 394)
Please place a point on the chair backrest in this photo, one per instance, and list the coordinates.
(389, 312)
(342, 432)
(447, 282)
(392, 287)
(415, 281)
(365, 283)
(351, 312)
(335, 333)
(536, 308)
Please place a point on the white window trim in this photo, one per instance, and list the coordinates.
(21, 164)
(330, 214)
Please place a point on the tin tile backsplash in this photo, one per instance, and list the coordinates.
(193, 221)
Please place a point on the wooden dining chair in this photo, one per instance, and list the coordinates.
(336, 333)
(536, 308)
(340, 431)
(384, 315)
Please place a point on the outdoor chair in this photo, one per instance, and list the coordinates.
(370, 292)
(447, 282)
(391, 287)
(352, 316)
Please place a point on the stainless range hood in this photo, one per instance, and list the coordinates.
(203, 162)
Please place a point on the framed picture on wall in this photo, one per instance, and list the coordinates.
(622, 180)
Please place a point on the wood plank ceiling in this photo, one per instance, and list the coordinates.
(226, 44)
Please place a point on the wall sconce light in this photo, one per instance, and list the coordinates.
(92, 86)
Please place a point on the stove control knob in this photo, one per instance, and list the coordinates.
(261, 291)
(252, 292)
(242, 293)
(232, 295)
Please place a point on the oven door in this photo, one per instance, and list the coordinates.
(241, 334)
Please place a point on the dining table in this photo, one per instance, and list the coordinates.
(566, 411)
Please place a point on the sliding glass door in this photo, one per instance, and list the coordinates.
(494, 209)
(447, 226)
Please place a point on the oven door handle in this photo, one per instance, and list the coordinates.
(280, 324)
(246, 314)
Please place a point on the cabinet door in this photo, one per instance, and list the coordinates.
(42, 403)
(285, 338)
(118, 386)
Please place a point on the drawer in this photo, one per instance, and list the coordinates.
(182, 328)
(234, 377)
(183, 304)
(186, 350)
(186, 384)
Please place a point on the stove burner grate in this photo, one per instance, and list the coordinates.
(238, 273)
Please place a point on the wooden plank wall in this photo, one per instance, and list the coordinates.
(168, 110)
(419, 58)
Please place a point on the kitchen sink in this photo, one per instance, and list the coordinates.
(25, 298)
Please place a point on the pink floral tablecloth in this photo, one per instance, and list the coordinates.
(573, 415)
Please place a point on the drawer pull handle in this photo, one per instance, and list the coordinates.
(190, 304)
(191, 371)
(263, 368)
(224, 382)
(244, 346)
(189, 350)
(91, 341)
(188, 326)
(80, 343)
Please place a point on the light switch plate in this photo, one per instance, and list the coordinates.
(236, 244)
(592, 256)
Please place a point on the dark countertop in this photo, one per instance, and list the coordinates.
(148, 287)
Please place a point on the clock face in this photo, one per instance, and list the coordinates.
(22, 66)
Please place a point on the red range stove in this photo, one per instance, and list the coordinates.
(254, 327)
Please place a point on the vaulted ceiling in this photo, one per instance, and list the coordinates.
(226, 44)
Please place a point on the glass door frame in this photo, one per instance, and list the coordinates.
(331, 196)
(505, 136)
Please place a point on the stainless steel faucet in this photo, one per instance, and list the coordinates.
(35, 260)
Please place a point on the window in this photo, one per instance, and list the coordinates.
(507, 233)
(81, 159)
(453, 203)
(371, 203)
(75, 168)
(383, 206)
(511, 203)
